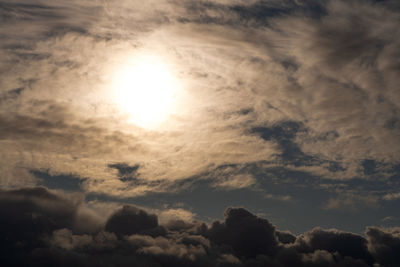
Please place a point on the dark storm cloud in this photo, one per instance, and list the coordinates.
(32, 212)
(346, 244)
(37, 230)
(26, 216)
(247, 234)
(285, 237)
(130, 220)
(384, 245)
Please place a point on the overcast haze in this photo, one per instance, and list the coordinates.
(200, 133)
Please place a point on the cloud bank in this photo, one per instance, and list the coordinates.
(39, 229)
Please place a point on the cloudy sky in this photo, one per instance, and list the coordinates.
(271, 114)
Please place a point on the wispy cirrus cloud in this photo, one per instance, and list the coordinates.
(291, 100)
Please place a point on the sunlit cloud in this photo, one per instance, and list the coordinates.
(281, 105)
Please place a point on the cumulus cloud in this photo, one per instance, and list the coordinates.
(247, 234)
(64, 238)
(39, 232)
(34, 211)
(383, 244)
(130, 220)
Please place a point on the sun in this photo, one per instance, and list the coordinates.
(145, 89)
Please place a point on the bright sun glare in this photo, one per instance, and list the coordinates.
(145, 89)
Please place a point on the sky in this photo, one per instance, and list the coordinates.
(200, 133)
